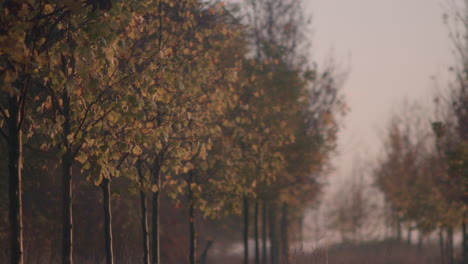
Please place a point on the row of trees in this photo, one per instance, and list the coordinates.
(180, 100)
(423, 172)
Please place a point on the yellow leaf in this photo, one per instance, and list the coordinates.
(137, 150)
(131, 35)
(211, 11)
(81, 157)
(48, 105)
(145, 131)
(48, 8)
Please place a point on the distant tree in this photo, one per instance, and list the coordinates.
(351, 211)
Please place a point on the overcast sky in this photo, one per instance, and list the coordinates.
(393, 48)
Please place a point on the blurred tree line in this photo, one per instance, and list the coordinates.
(422, 171)
(127, 125)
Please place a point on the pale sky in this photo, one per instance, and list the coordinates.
(393, 48)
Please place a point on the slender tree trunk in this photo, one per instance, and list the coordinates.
(317, 228)
(144, 217)
(284, 233)
(67, 251)
(398, 226)
(193, 239)
(15, 167)
(420, 240)
(105, 186)
(256, 235)
(465, 243)
(204, 255)
(144, 225)
(264, 233)
(67, 199)
(442, 246)
(246, 229)
(156, 202)
(450, 259)
(273, 237)
(386, 220)
(408, 236)
(301, 228)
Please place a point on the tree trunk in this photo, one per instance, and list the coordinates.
(15, 168)
(273, 237)
(67, 191)
(398, 226)
(387, 220)
(257, 241)
(204, 255)
(105, 185)
(264, 233)
(284, 233)
(193, 239)
(246, 229)
(450, 259)
(144, 217)
(420, 240)
(408, 237)
(301, 228)
(441, 245)
(67, 253)
(155, 215)
(465, 243)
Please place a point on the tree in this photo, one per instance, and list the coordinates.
(457, 155)
(351, 211)
(34, 27)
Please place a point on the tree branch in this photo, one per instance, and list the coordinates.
(4, 134)
(3, 113)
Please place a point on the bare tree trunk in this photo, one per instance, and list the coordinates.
(193, 240)
(204, 255)
(420, 240)
(264, 233)
(15, 168)
(465, 243)
(67, 195)
(246, 229)
(408, 237)
(398, 226)
(301, 228)
(144, 216)
(273, 237)
(155, 215)
(450, 259)
(317, 228)
(257, 242)
(387, 220)
(105, 185)
(442, 246)
(284, 233)
(67, 253)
